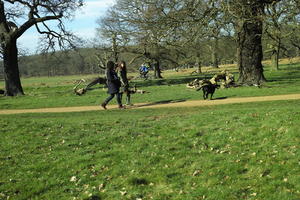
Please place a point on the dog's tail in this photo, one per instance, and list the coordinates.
(199, 88)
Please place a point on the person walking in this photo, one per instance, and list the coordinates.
(113, 84)
(122, 72)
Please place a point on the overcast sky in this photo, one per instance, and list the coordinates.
(84, 23)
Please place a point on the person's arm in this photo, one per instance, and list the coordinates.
(109, 76)
(124, 79)
(114, 78)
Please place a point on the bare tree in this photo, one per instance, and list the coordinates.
(217, 26)
(111, 28)
(249, 18)
(131, 24)
(159, 28)
(155, 25)
(292, 25)
(278, 27)
(37, 13)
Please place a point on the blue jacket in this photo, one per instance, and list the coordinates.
(144, 68)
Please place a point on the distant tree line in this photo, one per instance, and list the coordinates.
(87, 60)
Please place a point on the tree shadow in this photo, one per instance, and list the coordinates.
(172, 81)
(162, 102)
(93, 197)
(219, 98)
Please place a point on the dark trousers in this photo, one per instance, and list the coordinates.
(127, 97)
(108, 99)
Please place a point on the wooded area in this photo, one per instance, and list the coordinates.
(174, 34)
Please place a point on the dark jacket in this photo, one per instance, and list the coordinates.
(113, 82)
(123, 76)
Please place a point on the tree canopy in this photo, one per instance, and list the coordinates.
(17, 16)
(185, 31)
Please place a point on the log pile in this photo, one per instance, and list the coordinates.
(224, 79)
(197, 83)
(100, 80)
(82, 91)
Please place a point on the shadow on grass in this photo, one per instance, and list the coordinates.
(162, 102)
(288, 72)
(93, 197)
(172, 81)
(219, 98)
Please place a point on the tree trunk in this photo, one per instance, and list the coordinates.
(214, 53)
(11, 69)
(250, 53)
(275, 57)
(114, 48)
(157, 71)
(275, 60)
(198, 64)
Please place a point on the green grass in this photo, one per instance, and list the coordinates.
(237, 151)
(242, 151)
(57, 91)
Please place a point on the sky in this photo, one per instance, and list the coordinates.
(83, 25)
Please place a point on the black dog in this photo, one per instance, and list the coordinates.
(208, 89)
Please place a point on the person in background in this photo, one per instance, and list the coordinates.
(144, 69)
(113, 84)
(122, 72)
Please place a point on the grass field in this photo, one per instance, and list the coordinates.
(247, 151)
(236, 151)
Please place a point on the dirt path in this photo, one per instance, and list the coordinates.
(161, 104)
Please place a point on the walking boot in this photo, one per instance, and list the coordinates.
(128, 101)
(103, 105)
(129, 104)
(121, 107)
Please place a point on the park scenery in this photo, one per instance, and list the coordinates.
(214, 110)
